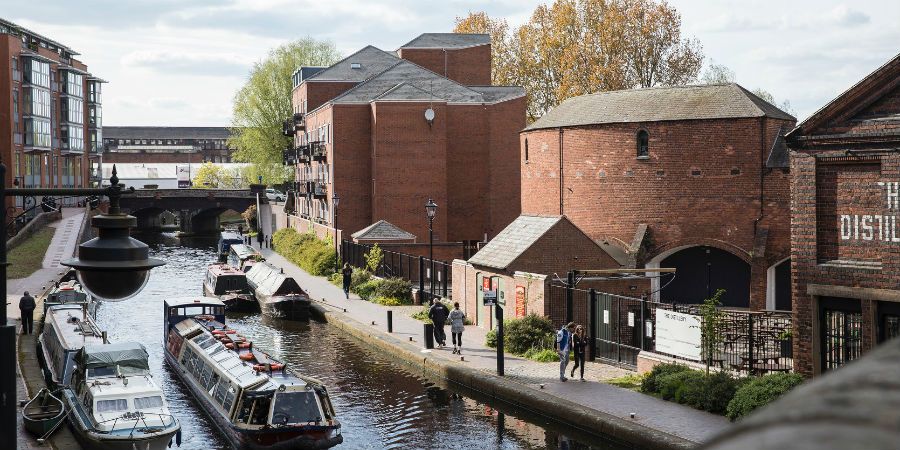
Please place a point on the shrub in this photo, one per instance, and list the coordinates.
(313, 255)
(249, 216)
(357, 278)
(373, 258)
(422, 314)
(650, 385)
(367, 290)
(717, 391)
(541, 355)
(759, 392)
(395, 288)
(387, 301)
(490, 339)
(680, 386)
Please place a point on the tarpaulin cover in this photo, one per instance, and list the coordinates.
(125, 354)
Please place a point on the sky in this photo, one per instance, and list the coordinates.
(180, 62)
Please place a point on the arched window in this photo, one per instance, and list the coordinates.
(643, 144)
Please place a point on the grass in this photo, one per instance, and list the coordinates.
(631, 381)
(29, 256)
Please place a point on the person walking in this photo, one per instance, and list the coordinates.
(347, 273)
(457, 320)
(260, 239)
(578, 345)
(26, 308)
(563, 347)
(438, 314)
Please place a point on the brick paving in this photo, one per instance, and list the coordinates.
(678, 420)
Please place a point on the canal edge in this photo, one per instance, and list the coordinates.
(506, 390)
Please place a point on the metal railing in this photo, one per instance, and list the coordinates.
(433, 277)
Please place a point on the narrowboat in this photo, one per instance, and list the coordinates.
(229, 285)
(68, 290)
(114, 403)
(255, 400)
(67, 328)
(243, 256)
(278, 295)
(226, 240)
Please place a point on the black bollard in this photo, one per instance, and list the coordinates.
(390, 321)
(429, 335)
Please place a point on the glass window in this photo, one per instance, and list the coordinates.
(842, 336)
(15, 101)
(74, 84)
(37, 102)
(643, 144)
(295, 407)
(37, 133)
(148, 402)
(74, 138)
(37, 73)
(119, 404)
(73, 111)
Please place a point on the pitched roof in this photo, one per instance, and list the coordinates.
(510, 243)
(382, 231)
(448, 40)
(370, 60)
(165, 132)
(708, 101)
(779, 158)
(406, 81)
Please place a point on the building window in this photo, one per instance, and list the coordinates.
(37, 102)
(643, 144)
(37, 73)
(37, 133)
(15, 101)
(74, 84)
(842, 336)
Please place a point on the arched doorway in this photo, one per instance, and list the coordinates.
(701, 271)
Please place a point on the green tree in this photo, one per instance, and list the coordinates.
(208, 176)
(264, 103)
(712, 320)
(373, 258)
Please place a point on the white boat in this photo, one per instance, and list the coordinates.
(114, 402)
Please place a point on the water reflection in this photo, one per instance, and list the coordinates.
(379, 404)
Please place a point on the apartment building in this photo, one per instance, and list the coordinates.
(51, 118)
(387, 131)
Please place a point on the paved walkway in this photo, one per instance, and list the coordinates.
(678, 420)
(62, 246)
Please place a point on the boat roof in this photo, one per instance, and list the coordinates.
(72, 330)
(244, 251)
(198, 300)
(229, 235)
(268, 280)
(224, 269)
(115, 387)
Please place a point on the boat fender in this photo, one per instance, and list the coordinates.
(230, 331)
(244, 345)
(246, 356)
(229, 346)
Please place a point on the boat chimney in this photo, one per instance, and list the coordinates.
(103, 335)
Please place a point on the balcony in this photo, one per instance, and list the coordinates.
(294, 124)
(299, 122)
(289, 156)
(318, 190)
(317, 151)
(287, 128)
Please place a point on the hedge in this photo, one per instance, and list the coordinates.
(312, 254)
(760, 392)
(387, 291)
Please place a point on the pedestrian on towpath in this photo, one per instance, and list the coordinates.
(26, 308)
(578, 345)
(457, 320)
(438, 315)
(260, 238)
(564, 346)
(347, 273)
(241, 230)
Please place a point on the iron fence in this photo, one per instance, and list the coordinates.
(620, 327)
(433, 277)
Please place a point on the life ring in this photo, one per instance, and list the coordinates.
(230, 331)
(244, 345)
(218, 332)
(229, 345)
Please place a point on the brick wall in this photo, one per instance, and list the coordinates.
(469, 66)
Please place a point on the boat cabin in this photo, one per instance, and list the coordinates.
(67, 328)
(268, 281)
(223, 279)
(179, 309)
(227, 239)
(243, 256)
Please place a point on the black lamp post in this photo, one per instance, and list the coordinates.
(335, 199)
(112, 266)
(430, 212)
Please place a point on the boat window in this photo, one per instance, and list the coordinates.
(296, 407)
(148, 402)
(230, 395)
(101, 372)
(220, 390)
(193, 311)
(119, 404)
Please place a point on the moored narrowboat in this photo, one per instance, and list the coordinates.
(278, 295)
(255, 400)
(243, 256)
(67, 328)
(229, 285)
(226, 240)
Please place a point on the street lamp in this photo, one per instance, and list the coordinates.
(112, 266)
(335, 199)
(430, 212)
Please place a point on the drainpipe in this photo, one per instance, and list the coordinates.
(561, 198)
(445, 62)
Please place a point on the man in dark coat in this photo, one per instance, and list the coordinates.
(438, 314)
(26, 308)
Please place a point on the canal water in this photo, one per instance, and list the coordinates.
(379, 404)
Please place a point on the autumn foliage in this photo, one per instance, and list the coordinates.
(575, 47)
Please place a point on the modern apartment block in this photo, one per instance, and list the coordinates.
(166, 145)
(51, 118)
(386, 131)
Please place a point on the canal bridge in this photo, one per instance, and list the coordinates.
(197, 210)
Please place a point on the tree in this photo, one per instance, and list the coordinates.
(212, 176)
(717, 73)
(576, 47)
(712, 319)
(264, 103)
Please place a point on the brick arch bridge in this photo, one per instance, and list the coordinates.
(197, 209)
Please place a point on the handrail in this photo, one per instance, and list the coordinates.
(141, 418)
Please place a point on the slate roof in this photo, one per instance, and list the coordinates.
(779, 158)
(448, 40)
(371, 60)
(165, 132)
(406, 81)
(510, 243)
(708, 101)
(383, 231)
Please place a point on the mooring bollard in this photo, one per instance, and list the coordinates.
(429, 335)
(390, 321)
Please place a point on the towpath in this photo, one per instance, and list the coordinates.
(674, 419)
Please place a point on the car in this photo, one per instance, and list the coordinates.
(274, 195)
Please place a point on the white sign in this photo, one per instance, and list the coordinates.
(490, 298)
(605, 316)
(678, 334)
(631, 319)
(648, 326)
(184, 176)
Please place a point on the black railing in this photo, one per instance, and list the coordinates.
(749, 342)
(317, 150)
(289, 156)
(421, 272)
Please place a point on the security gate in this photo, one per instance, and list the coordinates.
(619, 324)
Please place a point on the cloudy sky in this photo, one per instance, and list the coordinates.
(179, 62)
